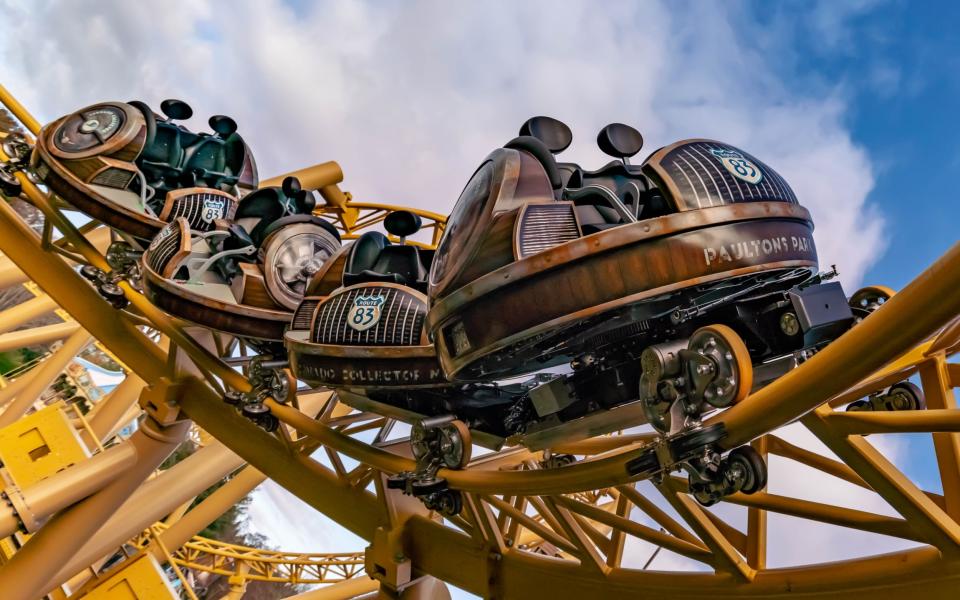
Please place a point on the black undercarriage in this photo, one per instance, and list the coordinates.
(783, 317)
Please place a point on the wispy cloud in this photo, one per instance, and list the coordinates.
(409, 97)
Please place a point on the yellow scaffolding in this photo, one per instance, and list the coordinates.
(527, 531)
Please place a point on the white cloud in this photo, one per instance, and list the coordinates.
(408, 97)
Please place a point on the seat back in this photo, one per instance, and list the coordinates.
(169, 248)
(365, 251)
(166, 148)
(374, 259)
(403, 261)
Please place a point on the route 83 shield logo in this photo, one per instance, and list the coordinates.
(738, 165)
(212, 209)
(365, 312)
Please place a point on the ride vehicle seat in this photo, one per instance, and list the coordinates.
(375, 259)
(601, 198)
(175, 157)
(162, 153)
(209, 159)
(260, 214)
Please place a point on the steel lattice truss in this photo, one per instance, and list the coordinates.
(214, 556)
(526, 530)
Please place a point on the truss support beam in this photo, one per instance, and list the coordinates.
(150, 503)
(923, 514)
(351, 588)
(15, 340)
(43, 376)
(207, 511)
(108, 414)
(36, 503)
(25, 577)
(938, 389)
(16, 316)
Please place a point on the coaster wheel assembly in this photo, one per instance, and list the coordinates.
(516, 523)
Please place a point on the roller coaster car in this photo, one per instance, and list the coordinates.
(697, 266)
(361, 323)
(659, 294)
(244, 277)
(136, 171)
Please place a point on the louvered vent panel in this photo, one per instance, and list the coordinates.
(113, 178)
(304, 313)
(163, 248)
(400, 322)
(545, 226)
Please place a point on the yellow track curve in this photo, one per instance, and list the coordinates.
(527, 531)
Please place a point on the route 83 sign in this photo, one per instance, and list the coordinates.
(738, 165)
(365, 312)
(213, 208)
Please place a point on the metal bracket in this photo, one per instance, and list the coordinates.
(161, 401)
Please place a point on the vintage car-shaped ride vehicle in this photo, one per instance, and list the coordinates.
(632, 294)
(135, 171)
(246, 276)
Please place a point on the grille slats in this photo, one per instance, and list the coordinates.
(703, 180)
(545, 226)
(401, 319)
(193, 207)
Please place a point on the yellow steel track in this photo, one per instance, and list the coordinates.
(525, 531)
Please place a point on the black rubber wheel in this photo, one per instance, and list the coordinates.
(90, 273)
(397, 482)
(912, 396)
(449, 503)
(254, 410)
(701, 493)
(693, 441)
(114, 295)
(858, 406)
(753, 466)
(9, 184)
(422, 487)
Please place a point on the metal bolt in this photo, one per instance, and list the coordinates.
(789, 324)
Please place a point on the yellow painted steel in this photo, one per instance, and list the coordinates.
(19, 111)
(213, 556)
(528, 531)
(40, 444)
(142, 579)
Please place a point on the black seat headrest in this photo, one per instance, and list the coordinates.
(177, 110)
(554, 134)
(223, 125)
(402, 223)
(619, 140)
(540, 151)
(364, 252)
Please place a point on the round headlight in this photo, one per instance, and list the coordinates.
(291, 257)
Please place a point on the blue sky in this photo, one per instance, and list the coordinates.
(854, 102)
(897, 64)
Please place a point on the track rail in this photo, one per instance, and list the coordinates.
(527, 530)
